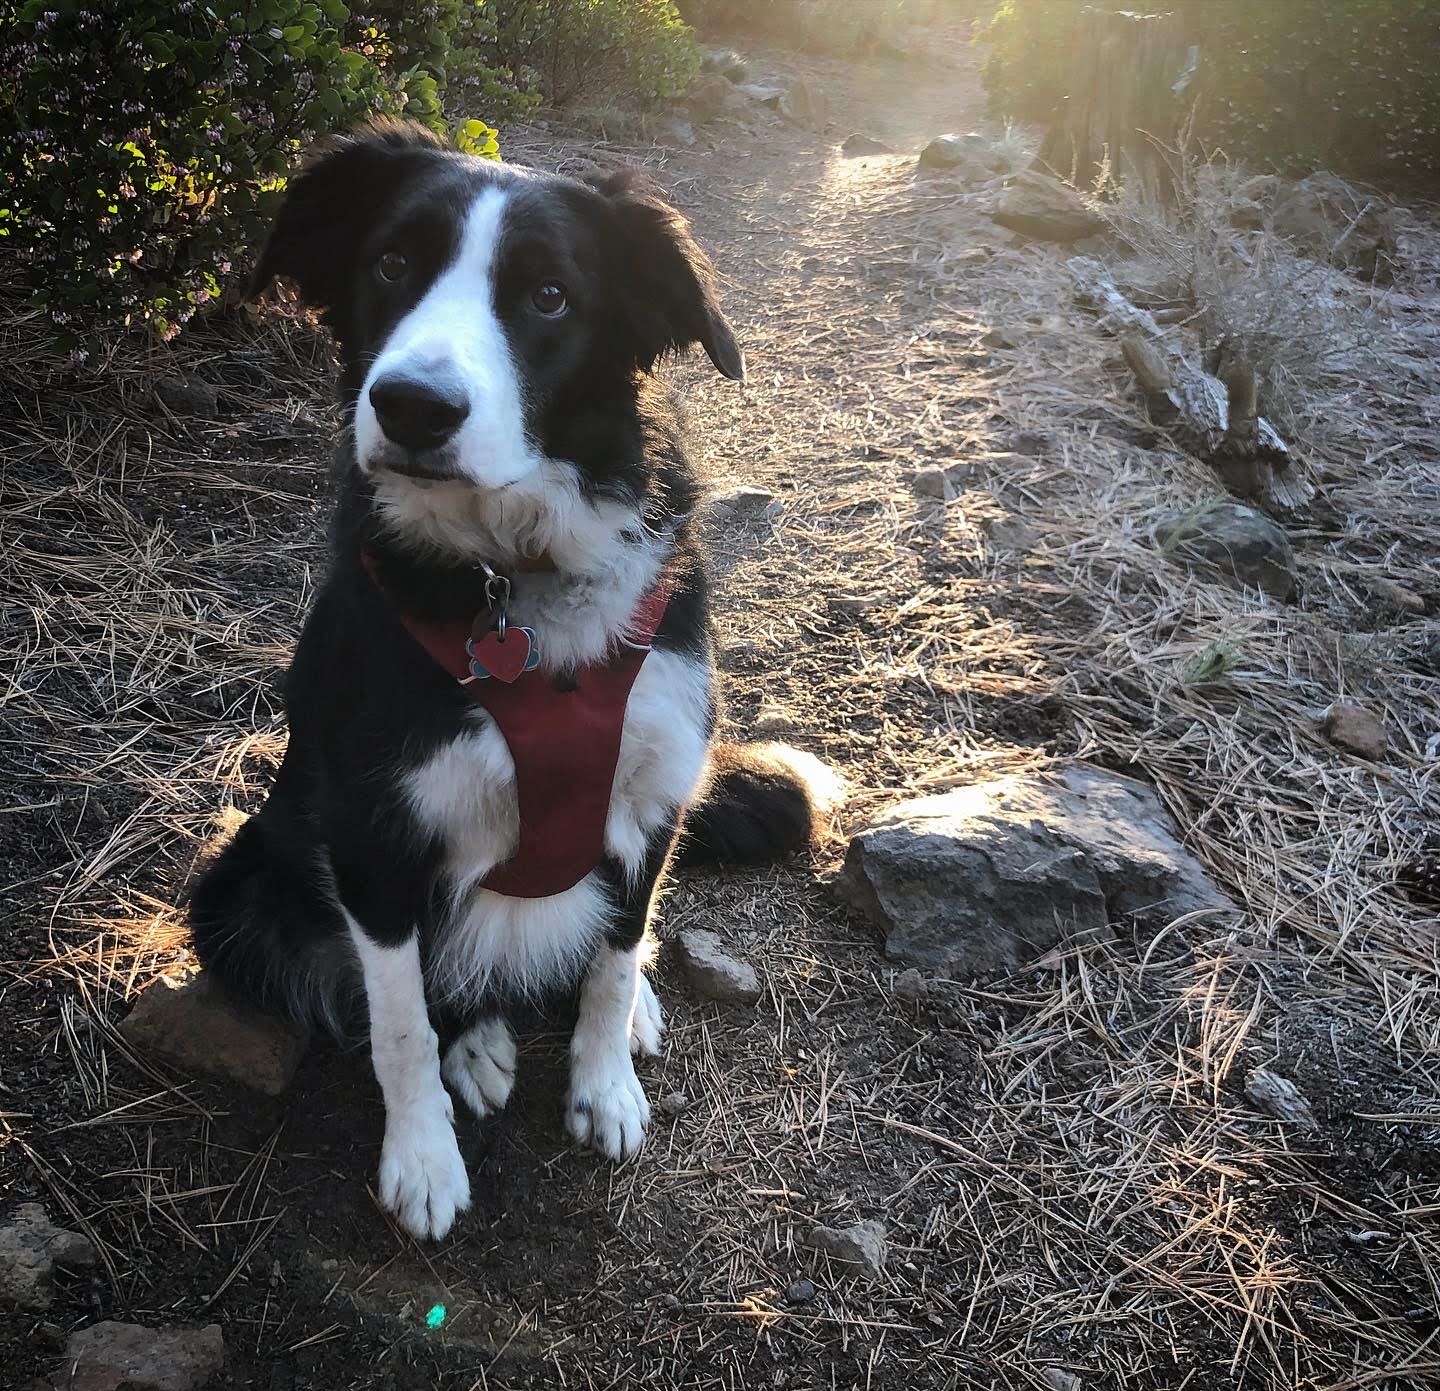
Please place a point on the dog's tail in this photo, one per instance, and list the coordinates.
(264, 923)
(763, 801)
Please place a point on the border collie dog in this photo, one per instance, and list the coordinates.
(502, 702)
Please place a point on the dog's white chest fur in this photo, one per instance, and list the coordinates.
(465, 796)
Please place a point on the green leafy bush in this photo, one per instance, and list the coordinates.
(146, 140)
(633, 52)
(1349, 84)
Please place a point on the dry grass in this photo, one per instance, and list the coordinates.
(1071, 1174)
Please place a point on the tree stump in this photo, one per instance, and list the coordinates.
(1130, 81)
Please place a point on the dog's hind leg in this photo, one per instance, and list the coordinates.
(619, 1014)
(422, 1176)
(479, 1065)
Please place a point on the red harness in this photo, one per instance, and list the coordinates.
(565, 744)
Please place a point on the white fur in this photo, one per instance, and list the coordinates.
(455, 334)
(422, 1176)
(480, 1066)
(648, 1026)
(608, 1110)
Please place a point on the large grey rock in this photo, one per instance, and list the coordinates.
(111, 1356)
(1039, 206)
(198, 1026)
(863, 1246)
(1328, 219)
(985, 878)
(31, 1249)
(1237, 542)
(713, 971)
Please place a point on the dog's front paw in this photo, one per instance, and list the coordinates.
(608, 1110)
(422, 1176)
(648, 1025)
(480, 1066)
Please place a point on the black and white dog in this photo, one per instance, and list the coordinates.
(502, 701)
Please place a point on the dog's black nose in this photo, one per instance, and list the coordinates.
(417, 414)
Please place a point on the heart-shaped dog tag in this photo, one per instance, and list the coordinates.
(503, 658)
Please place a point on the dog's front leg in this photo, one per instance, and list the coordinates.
(422, 1176)
(619, 1015)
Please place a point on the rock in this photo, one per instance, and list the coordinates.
(1058, 1379)
(762, 94)
(986, 878)
(1331, 221)
(1039, 206)
(1354, 728)
(673, 1103)
(1279, 1097)
(196, 1025)
(862, 1245)
(1006, 339)
(772, 722)
(947, 152)
(1008, 533)
(713, 971)
(32, 1248)
(726, 62)
(910, 986)
(711, 96)
(110, 1356)
(1395, 596)
(1032, 444)
(805, 104)
(856, 146)
(1250, 200)
(800, 1292)
(746, 504)
(188, 396)
(1239, 543)
(675, 130)
(935, 482)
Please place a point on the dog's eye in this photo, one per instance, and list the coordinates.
(391, 267)
(549, 299)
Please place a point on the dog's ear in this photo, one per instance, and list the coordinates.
(330, 206)
(669, 281)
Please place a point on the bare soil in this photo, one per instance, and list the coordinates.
(1073, 1181)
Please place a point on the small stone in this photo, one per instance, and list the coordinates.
(934, 482)
(187, 396)
(196, 1025)
(806, 104)
(910, 986)
(670, 1301)
(772, 722)
(947, 152)
(863, 1245)
(1059, 1379)
(1008, 533)
(109, 1356)
(1395, 596)
(329, 1263)
(1357, 730)
(713, 971)
(801, 1292)
(762, 93)
(855, 603)
(1000, 337)
(1236, 542)
(32, 1248)
(856, 146)
(673, 1103)
(746, 504)
(1031, 444)
(1279, 1097)
(1039, 206)
(1366, 1238)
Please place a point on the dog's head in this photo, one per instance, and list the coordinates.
(481, 308)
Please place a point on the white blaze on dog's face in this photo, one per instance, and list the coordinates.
(490, 317)
(444, 398)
